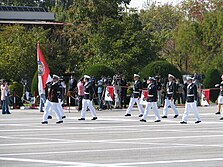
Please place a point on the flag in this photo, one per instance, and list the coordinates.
(43, 71)
(144, 96)
(109, 93)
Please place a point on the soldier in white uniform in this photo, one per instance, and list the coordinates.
(191, 103)
(137, 90)
(169, 101)
(220, 97)
(151, 101)
(53, 102)
(87, 101)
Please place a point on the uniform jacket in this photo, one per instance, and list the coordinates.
(191, 92)
(152, 93)
(53, 93)
(88, 91)
(221, 88)
(137, 89)
(158, 85)
(171, 90)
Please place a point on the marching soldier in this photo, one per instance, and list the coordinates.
(191, 103)
(137, 90)
(220, 97)
(53, 101)
(151, 101)
(169, 101)
(87, 101)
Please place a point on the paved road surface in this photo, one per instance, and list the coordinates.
(111, 141)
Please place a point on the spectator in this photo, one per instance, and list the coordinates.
(80, 87)
(4, 97)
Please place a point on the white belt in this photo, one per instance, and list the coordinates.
(190, 95)
(169, 92)
(136, 92)
(86, 93)
(150, 95)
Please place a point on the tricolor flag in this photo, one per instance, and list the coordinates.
(109, 93)
(144, 96)
(43, 71)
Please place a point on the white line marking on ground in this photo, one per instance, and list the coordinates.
(169, 162)
(57, 162)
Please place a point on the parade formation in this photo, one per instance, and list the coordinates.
(146, 98)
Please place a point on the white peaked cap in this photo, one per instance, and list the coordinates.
(170, 75)
(136, 75)
(55, 76)
(87, 76)
(152, 78)
(189, 78)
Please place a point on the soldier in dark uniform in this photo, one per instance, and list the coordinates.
(88, 97)
(170, 94)
(151, 100)
(220, 97)
(159, 93)
(124, 87)
(191, 102)
(137, 90)
(53, 102)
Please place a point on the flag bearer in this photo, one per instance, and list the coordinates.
(169, 101)
(88, 97)
(137, 90)
(191, 103)
(151, 101)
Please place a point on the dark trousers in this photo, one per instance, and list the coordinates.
(80, 98)
(5, 107)
(100, 102)
(123, 99)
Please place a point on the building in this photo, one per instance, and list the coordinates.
(27, 15)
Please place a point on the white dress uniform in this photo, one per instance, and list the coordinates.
(151, 103)
(191, 103)
(169, 99)
(52, 104)
(220, 97)
(87, 101)
(137, 90)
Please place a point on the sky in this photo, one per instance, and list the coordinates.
(140, 3)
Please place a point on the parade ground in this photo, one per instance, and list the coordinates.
(111, 141)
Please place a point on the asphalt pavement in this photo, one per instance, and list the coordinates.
(111, 141)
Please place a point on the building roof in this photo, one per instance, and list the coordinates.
(24, 13)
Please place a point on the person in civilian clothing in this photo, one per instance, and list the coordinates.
(4, 98)
(80, 88)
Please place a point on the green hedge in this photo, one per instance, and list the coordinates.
(18, 88)
(34, 85)
(212, 77)
(161, 68)
(99, 70)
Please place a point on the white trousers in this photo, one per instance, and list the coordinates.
(172, 105)
(188, 107)
(50, 106)
(60, 108)
(152, 105)
(87, 104)
(131, 104)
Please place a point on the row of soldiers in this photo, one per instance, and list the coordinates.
(54, 103)
(169, 101)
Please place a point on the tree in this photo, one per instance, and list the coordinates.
(212, 77)
(160, 68)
